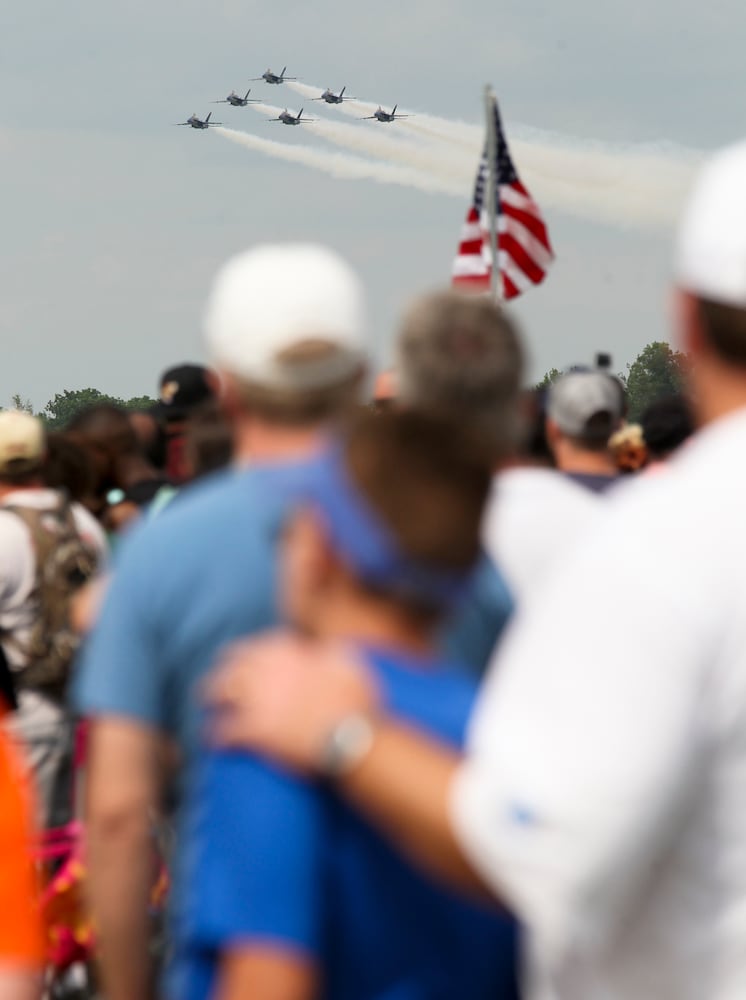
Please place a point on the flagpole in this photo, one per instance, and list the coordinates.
(490, 103)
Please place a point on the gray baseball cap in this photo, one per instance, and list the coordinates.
(586, 404)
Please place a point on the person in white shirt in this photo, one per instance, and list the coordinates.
(601, 796)
(29, 511)
(535, 518)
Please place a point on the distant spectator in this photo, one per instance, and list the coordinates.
(126, 481)
(49, 548)
(666, 425)
(584, 409)
(209, 441)
(68, 467)
(628, 447)
(183, 390)
(151, 435)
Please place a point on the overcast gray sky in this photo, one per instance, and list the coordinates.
(114, 222)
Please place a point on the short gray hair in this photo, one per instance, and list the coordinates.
(461, 356)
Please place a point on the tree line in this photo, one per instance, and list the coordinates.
(657, 371)
(61, 409)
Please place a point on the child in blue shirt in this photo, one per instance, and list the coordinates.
(289, 894)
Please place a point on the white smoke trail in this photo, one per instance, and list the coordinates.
(374, 142)
(447, 130)
(641, 186)
(309, 93)
(628, 186)
(343, 166)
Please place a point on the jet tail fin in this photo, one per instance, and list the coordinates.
(247, 93)
(300, 114)
(342, 91)
(395, 107)
(283, 72)
(208, 117)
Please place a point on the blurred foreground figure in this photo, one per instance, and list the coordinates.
(21, 945)
(462, 357)
(602, 790)
(285, 328)
(289, 894)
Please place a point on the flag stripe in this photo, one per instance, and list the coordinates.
(516, 253)
(532, 246)
(534, 225)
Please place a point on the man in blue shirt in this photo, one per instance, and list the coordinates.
(290, 894)
(285, 329)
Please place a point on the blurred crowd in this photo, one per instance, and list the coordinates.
(427, 686)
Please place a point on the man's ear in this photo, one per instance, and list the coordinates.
(686, 321)
(307, 533)
(230, 400)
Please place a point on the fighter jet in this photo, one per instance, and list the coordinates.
(236, 101)
(194, 122)
(270, 77)
(384, 116)
(288, 119)
(332, 98)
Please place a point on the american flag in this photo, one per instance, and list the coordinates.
(524, 250)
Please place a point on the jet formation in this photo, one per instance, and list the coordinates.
(286, 117)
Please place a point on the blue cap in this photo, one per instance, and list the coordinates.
(366, 544)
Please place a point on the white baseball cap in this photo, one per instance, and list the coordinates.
(711, 249)
(22, 441)
(275, 297)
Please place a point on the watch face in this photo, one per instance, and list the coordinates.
(346, 745)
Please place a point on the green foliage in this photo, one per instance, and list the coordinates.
(19, 403)
(138, 403)
(656, 372)
(60, 411)
(551, 376)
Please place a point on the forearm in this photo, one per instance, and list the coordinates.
(264, 973)
(403, 786)
(124, 781)
(121, 875)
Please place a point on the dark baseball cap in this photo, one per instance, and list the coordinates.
(183, 389)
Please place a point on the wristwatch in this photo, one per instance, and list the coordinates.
(345, 746)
